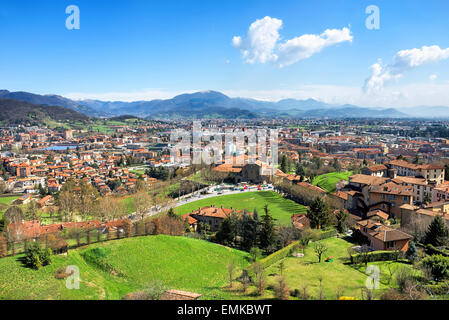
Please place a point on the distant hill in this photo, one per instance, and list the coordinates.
(21, 112)
(51, 100)
(428, 112)
(212, 104)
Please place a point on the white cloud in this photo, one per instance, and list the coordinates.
(262, 43)
(305, 46)
(403, 61)
(433, 77)
(261, 40)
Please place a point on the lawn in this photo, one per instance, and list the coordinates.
(388, 270)
(179, 262)
(128, 202)
(8, 200)
(279, 207)
(336, 275)
(5, 202)
(329, 180)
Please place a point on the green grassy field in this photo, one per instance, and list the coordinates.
(5, 202)
(329, 180)
(336, 275)
(8, 200)
(128, 202)
(388, 269)
(280, 208)
(179, 262)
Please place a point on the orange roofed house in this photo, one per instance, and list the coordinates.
(213, 216)
(382, 237)
(389, 197)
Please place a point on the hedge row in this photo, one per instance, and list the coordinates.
(376, 256)
(438, 289)
(328, 234)
(284, 252)
(430, 249)
(276, 256)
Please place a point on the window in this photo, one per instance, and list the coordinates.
(390, 244)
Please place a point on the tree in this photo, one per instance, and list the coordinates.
(3, 187)
(300, 170)
(142, 203)
(260, 278)
(412, 253)
(231, 269)
(255, 253)
(284, 164)
(287, 235)
(304, 242)
(227, 232)
(281, 291)
(342, 216)
(267, 236)
(437, 232)
(109, 208)
(141, 185)
(67, 201)
(248, 231)
(87, 198)
(14, 215)
(171, 213)
(438, 265)
(318, 214)
(3, 246)
(31, 211)
(320, 248)
(36, 257)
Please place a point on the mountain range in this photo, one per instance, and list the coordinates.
(21, 112)
(213, 104)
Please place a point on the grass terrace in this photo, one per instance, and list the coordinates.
(180, 262)
(280, 208)
(328, 181)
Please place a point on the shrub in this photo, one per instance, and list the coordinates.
(347, 298)
(281, 291)
(36, 257)
(62, 274)
(438, 265)
(438, 289)
(155, 290)
(328, 234)
(375, 256)
(138, 295)
(412, 252)
(403, 279)
(430, 249)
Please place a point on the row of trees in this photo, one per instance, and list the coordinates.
(247, 231)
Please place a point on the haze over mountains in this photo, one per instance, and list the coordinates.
(212, 104)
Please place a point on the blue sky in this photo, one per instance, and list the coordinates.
(133, 50)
